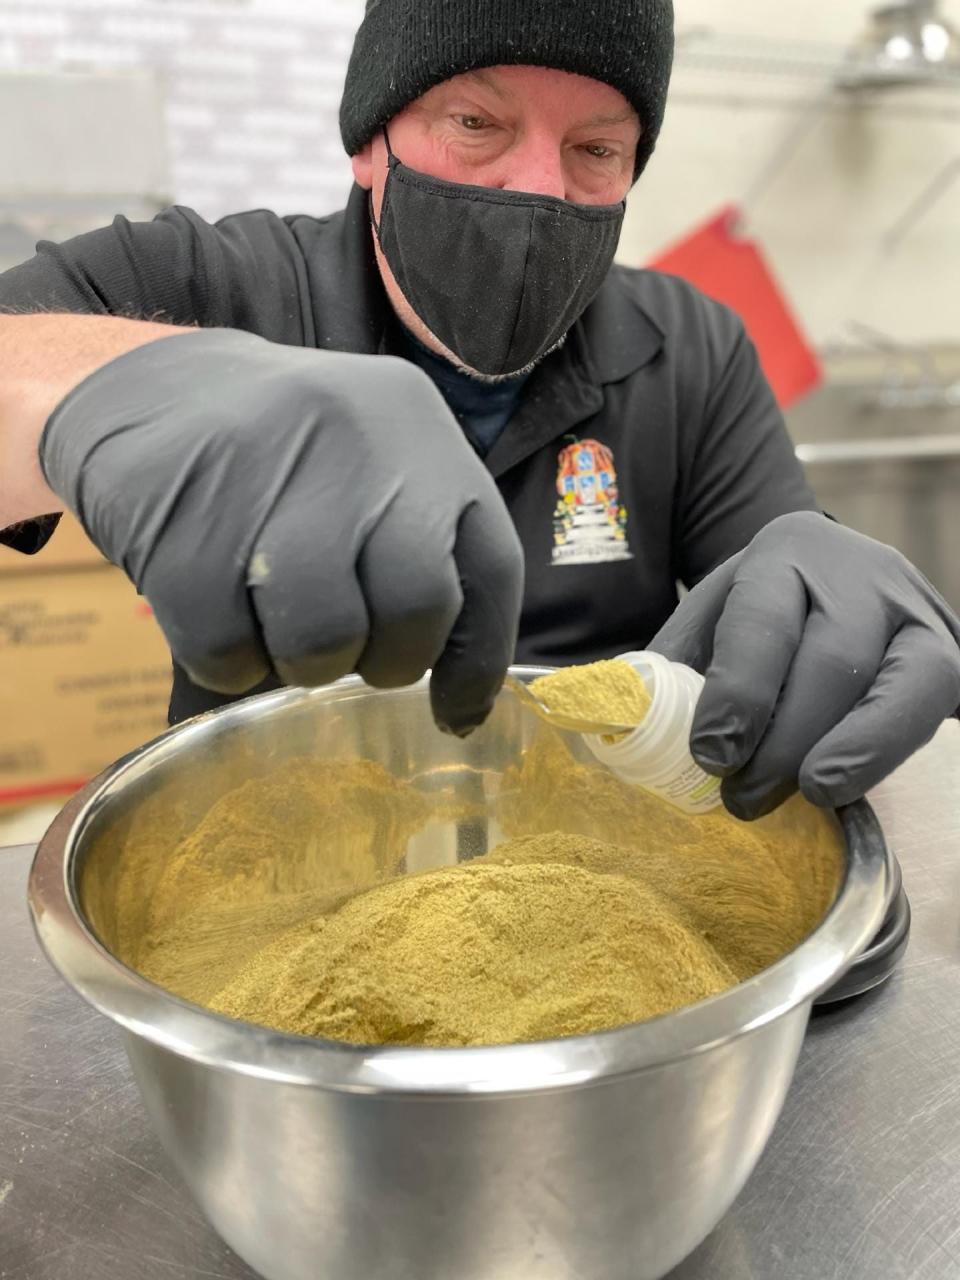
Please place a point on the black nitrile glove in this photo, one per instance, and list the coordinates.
(289, 510)
(828, 659)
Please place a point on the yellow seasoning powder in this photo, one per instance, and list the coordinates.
(543, 938)
(254, 864)
(285, 906)
(608, 692)
(753, 890)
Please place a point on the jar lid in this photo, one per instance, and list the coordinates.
(880, 958)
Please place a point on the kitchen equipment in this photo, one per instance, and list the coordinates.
(879, 959)
(909, 43)
(608, 1156)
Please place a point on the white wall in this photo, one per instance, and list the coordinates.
(824, 214)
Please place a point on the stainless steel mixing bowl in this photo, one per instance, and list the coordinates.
(601, 1157)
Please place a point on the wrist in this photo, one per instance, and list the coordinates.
(43, 358)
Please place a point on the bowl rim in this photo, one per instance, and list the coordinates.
(145, 1010)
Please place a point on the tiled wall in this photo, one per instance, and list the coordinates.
(253, 86)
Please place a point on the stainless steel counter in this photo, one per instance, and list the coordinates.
(861, 1180)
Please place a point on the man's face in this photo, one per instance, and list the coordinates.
(518, 129)
(527, 129)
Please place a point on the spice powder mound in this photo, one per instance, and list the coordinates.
(285, 906)
(542, 938)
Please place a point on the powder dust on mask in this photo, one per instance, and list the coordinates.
(285, 906)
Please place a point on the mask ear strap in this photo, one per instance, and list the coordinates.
(392, 163)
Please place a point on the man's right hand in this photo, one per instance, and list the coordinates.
(309, 513)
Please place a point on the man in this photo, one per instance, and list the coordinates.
(224, 409)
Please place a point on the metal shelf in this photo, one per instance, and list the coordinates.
(846, 69)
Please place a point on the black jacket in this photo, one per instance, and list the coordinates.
(644, 452)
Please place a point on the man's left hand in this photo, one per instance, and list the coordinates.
(829, 659)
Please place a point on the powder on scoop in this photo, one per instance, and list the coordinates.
(607, 692)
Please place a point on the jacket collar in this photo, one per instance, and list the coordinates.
(618, 336)
(612, 340)
(350, 305)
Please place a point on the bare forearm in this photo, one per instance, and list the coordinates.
(42, 358)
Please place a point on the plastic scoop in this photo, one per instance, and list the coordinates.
(558, 719)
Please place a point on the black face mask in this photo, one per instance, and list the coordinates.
(498, 276)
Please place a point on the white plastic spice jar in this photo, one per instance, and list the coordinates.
(656, 755)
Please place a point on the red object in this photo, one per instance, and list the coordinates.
(734, 270)
(36, 791)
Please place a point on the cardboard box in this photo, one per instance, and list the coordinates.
(69, 548)
(85, 676)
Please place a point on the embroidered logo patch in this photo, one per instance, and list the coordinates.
(589, 524)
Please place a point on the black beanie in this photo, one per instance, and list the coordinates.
(405, 47)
